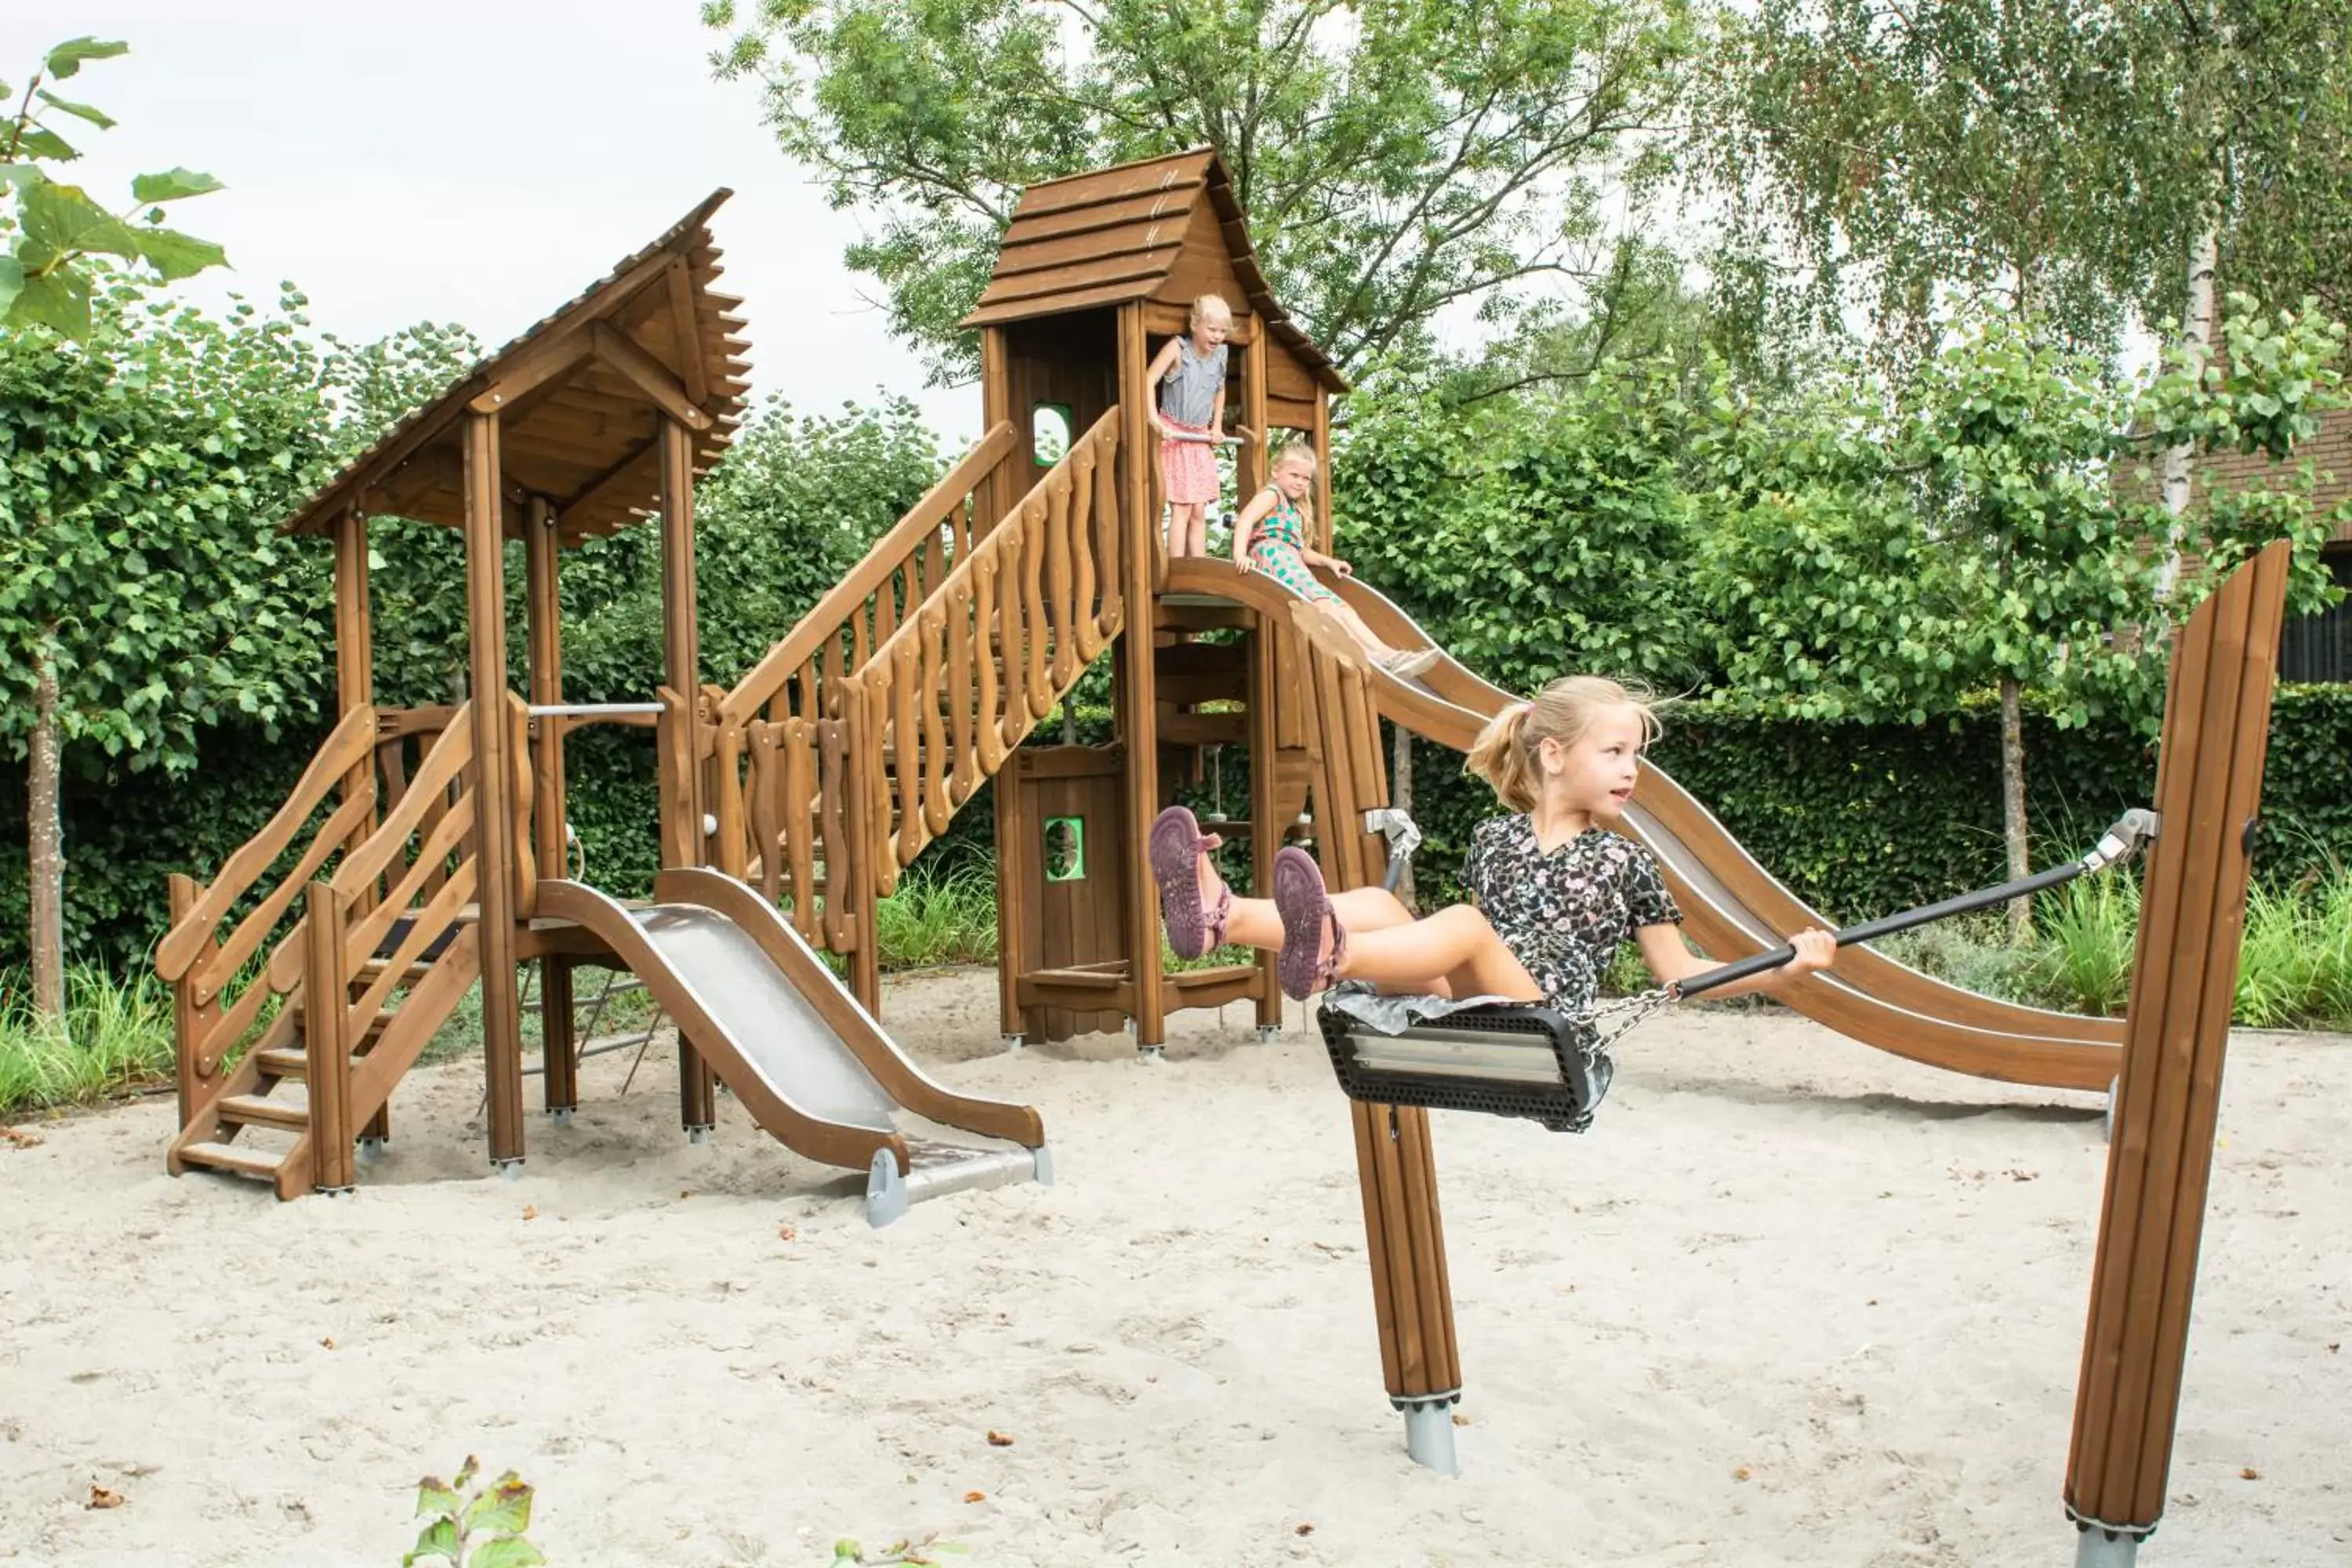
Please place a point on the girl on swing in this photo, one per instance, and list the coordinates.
(1555, 891)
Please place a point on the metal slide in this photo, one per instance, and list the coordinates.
(795, 1046)
(1731, 905)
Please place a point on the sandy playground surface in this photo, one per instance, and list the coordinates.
(1794, 1301)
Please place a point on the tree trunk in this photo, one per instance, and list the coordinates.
(45, 861)
(2012, 803)
(1400, 796)
(2197, 328)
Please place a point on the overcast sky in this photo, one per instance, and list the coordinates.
(472, 161)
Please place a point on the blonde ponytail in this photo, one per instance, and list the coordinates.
(1502, 757)
(1505, 753)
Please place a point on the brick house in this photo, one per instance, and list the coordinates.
(2312, 648)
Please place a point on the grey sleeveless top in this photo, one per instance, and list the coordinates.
(1188, 392)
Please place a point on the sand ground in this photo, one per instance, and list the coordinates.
(1793, 1302)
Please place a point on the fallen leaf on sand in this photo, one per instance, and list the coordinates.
(530, 1210)
(999, 1439)
(1304, 1529)
(786, 1233)
(1740, 1473)
(329, 1341)
(1460, 1419)
(101, 1498)
(16, 1139)
(2250, 1474)
(975, 1497)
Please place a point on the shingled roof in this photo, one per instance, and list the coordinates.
(1116, 235)
(580, 397)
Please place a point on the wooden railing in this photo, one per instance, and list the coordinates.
(800, 676)
(212, 1011)
(399, 914)
(776, 745)
(951, 693)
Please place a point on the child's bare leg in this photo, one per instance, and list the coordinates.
(1200, 532)
(1455, 946)
(1252, 922)
(1346, 615)
(1184, 528)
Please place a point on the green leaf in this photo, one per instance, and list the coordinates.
(64, 220)
(173, 184)
(97, 117)
(436, 1498)
(177, 254)
(64, 60)
(506, 1551)
(40, 142)
(12, 283)
(58, 301)
(438, 1538)
(505, 1508)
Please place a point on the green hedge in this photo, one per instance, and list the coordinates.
(1861, 819)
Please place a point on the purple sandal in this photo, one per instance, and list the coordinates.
(1176, 843)
(1305, 909)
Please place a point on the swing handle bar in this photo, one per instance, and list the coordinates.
(2131, 830)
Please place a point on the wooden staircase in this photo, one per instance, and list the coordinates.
(258, 1123)
(388, 928)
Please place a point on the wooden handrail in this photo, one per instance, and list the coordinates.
(1008, 597)
(911, 534)
(344, 748)
(449, 758)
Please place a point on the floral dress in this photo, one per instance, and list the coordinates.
(1274, 549)
(1564, 913)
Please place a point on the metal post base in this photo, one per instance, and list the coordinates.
(559, 1114)
(1151, 1053)
(334, 1192)
(370, 1150)
(1268, 1033)
(2097, 1549)
(697, 1134)
(511, 1169)
(1429, 1432)
(1012, 1042)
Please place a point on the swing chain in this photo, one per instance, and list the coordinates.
(1629, 1011)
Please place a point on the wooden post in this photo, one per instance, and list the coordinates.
(354, 689)
(1249, 459)
(2184, 985)
(1138, 687)
(682, 666)
(1396, 1167)
(542, 545)
(326, 1041)
(1322, 437)
(1001, 488)
(192, 1021)
(494, 806)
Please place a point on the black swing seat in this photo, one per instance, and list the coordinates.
(1499, 1060)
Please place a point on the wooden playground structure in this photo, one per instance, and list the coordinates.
(424, 850)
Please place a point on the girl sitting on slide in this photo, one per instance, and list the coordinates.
(1270, 536)
(1556, 891)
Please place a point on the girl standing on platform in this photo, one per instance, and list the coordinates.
(1270, 536)
(1555, 890)
(1190, 372)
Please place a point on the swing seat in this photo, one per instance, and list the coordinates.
(1498, 1059)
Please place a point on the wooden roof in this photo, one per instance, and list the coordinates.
(581, 399)
(1116, 235)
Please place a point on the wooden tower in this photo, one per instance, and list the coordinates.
(1096, 272)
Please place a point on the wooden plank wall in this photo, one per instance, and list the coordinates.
(2184, 983)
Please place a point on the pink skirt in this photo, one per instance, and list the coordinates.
(1189, 469)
